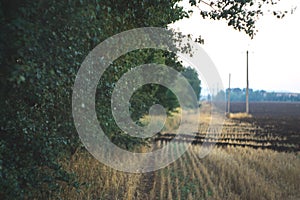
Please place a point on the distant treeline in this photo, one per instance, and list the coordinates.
(237, 94)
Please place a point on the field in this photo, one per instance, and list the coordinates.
(254, 158)
(281, 119)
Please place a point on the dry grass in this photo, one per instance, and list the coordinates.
(246, 173)
(170, 124)
(231, 173)
(238, 115)
(99, 181)
(226, 173)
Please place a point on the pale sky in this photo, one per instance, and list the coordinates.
(274, 53)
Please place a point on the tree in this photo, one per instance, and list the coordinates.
(220, 96)
(192, 76)
(42, 45)
(240, 14)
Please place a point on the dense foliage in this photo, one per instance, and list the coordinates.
(42, 46)
(192, 76)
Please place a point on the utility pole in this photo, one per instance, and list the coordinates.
(247, 88)
(228, 100)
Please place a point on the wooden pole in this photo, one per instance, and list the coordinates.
(247, 88)
(228, 100)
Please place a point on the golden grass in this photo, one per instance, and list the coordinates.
(230, 173)
(170, 124)
(247, 173)
(226, 173)
(100, 181)
(238, 115)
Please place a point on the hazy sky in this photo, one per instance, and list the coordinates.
(274, 53)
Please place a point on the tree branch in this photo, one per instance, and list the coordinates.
(206, 3)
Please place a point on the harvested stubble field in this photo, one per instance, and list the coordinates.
(252, 159)
(281, 119)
